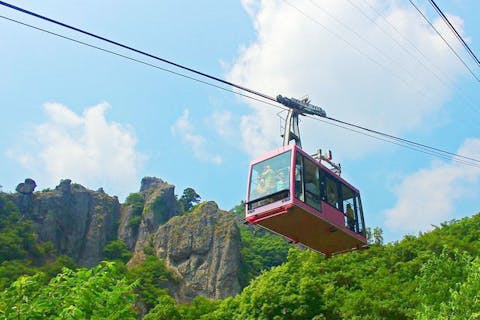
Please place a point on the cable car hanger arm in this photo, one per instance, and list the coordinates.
(296, 107)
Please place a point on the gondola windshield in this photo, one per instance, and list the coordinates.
(270, 180)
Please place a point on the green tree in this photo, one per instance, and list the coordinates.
(116, 250)
(17, 237)
(449, 284)
(99, 293)
(20, 251)
(439, 275)
(152, 276)
(165, 309)
(260, 249)
(199, 307)
(428, 277)
(55, 267)
(136, 201)
(188, 199)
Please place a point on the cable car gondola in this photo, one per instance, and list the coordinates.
(293, 194)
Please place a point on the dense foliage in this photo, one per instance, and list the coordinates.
(136, 202)
(99, 293)
(418, 277)
(432, 276)
(152, 277)
(20, 251)
(117, 250)
(435, 275)
(260, 249)
(17, 238)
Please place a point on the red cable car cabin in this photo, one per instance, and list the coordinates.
(294, 195)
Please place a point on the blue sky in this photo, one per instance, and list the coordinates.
(70, 111)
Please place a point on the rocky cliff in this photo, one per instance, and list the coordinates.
(77, 221)
(203, 248)
(140, 220)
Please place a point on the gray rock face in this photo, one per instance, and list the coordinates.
(26, 187)
(78, 221)
(126, 232)
(150, 183)
(203, 248)
(160, 205)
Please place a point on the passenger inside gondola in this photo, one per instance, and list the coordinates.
(299, 180)
(350, 217)
(267, 177)
(270, 180)
(332, 194)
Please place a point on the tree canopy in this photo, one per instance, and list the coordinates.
(189, 198)
(434, 275)
(98, 293)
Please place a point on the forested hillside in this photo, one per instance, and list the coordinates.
(435, 275)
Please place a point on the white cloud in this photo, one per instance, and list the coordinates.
(294, 56)
(222, 123)
(85, 148)
(185, 130)
(428, 196)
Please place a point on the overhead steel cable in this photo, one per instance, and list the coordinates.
(338, 36)
(385, 137)
(141, 62)
(404, 145)
(444, 40)
(379, 14)
(36, 15)
(406, 77)
(450, 25)
(364, 14)
(421, 145)
(396, 62)
(442, 78)
(357, 34)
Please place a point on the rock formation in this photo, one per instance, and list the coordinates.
(203, 248)
(77, 221)
(26, 187)
(159, 205)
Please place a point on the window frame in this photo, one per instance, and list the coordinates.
(263, 199)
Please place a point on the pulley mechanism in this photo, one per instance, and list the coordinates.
(297, 107)
(302, 107)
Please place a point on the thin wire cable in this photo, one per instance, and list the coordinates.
(441, 80)
(459, 37)
(36, 15)
(385, 55)
(444, 40)
(404, 145)
(407, 39)
(420, 90)
(386, 138)
(450, 154)
(350, 29)
(141, 62)
(400, 45)
(338, 36)
(440, 77)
